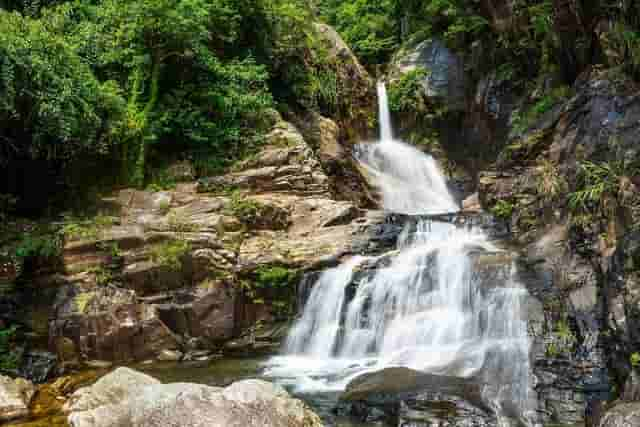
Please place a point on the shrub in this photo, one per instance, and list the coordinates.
(407, 94)
(274, 276)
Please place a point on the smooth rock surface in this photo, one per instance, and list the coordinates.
(622, 415)
(15, 396)
(126, 398)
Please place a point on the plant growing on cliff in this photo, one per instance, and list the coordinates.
(524, 120)
(406, 94)
(551, 184)
(274, 276)
(178, 222)
(8, 358)
(86, 228)
(171, 254)
(634, 359)
(502, 209)
(247, 210)
(594, 182)
(45, 246)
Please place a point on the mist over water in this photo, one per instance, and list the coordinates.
(426, 306)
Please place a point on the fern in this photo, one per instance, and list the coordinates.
(595, 180)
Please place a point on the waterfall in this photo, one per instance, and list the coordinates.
(386, 133)
(435, 304)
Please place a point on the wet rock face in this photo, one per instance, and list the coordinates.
(38, 366)
(583, 275)
(445, 80)
(414, 398)
(126, 398)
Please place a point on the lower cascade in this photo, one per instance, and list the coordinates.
(431, 305)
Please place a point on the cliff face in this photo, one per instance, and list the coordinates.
(579, 238)
(554, 157)
(561, 171)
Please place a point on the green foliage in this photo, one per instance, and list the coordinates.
(407, 94)
(86, 228)
(8, 358)
(563, 330)
(103, 276)
(247, 210)
(595, 180)
(51, 104)
(522, 122)
(170, 254)
(502, 209)
(374, 29)
(45, 246)
(367, 26)
(274, 277)
(552, 350)
(634, 359)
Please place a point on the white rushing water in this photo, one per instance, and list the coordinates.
(384, 116)
(430, 305)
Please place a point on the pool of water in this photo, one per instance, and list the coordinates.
(222, 372)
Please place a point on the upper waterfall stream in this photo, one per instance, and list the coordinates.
(426, 305)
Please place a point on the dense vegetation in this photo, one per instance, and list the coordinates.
(532, 35)
(118, 87)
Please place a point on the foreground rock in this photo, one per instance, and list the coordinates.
(417, 399)
(126, 398)
(622, 415)
(15, 396)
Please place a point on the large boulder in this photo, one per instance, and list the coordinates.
(622, 415)
(15, 396)
(126, 398)
(417, 399)
(346, 182)
(109, 324)
(357, 89)
(285, 164)
(396, 384)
